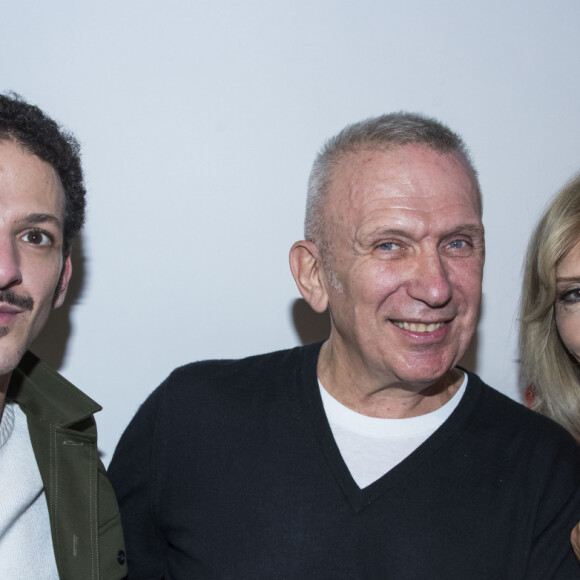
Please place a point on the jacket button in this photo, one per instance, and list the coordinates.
(121, 557)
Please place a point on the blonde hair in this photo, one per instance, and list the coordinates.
(546, 363)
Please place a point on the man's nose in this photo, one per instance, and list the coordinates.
(430, 283)
(10, 273)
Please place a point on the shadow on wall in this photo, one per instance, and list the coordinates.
(469, 359)
(51, 344)
(314, 327)
(310, 326)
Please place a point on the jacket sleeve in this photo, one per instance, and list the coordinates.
(132, 472)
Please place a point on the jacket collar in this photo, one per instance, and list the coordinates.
(46, 394)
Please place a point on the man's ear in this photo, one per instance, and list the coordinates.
(308, 272)
(63, 281)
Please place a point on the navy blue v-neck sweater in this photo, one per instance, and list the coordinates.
(229, 470)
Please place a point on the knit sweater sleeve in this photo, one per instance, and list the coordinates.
(133, 472)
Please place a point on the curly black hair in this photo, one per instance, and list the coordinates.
(33, 130)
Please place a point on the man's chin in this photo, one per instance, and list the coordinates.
(425, 375)
(9, 359)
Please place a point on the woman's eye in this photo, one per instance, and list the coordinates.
(571, 296)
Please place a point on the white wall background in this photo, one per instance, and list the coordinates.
(199, 120)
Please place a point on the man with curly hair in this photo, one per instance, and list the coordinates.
(58, 513)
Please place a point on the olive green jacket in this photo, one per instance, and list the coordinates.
(84, 516)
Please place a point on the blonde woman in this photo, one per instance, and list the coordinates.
(549, 338)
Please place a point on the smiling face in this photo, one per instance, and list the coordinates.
(403, 278)
(34, 274)
(568, 300)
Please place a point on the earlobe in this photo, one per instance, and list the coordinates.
(63, 281)
(307, 270)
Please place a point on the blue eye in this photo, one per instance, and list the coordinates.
(389, 246)
(458, 244)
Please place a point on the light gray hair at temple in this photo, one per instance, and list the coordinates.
(375, 134)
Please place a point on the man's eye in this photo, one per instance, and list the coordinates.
(389, 246)
(37, 238)
(458, 244)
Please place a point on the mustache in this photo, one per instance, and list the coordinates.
(24, 302)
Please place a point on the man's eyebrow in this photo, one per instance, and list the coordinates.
(472, 229)
(33, 219)
(468, 229)
(387, 231)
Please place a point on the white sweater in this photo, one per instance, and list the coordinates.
(25, 540)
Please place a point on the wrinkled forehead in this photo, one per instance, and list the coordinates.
(405, 172)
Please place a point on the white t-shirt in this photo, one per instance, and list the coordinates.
(372, 446)
(26, 550)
